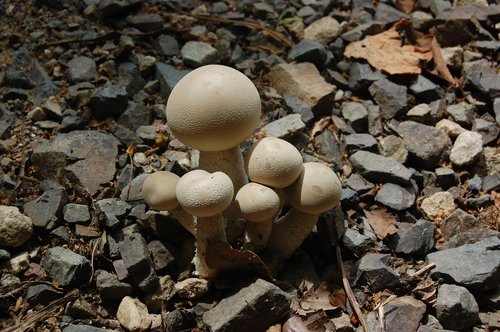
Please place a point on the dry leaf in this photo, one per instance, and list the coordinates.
(316, 300)
(321, 125)
(319, 322)
(385, 52)
(294, 324)
(381, 221)
(405, 5)
(338, 297)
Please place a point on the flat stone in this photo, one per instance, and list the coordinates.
(388, 14)
(356, 242)
(191, 288)
(110, 288)
(491, 182)
(466, 149)
(389, 96)
(403, 314)
(109, 101)
(462, 113)
(355, 142)
(420, 113)
(456, 307)
(133, 315)
(358, 183)
(483, 77)
(81, 69)
(285, 127)
(356, 116)
(372, 271)
(168, 45)
(308, 50)
(475, 266)
(15, 227)
(42, 294)
(80, 309)
(324, 30)
(392, 146)
(488, 130)
(413, 239)
(163, 258)
(167, 77)
(253, 308)
(445, 177)
(426, 90)
(196, 54)
(378, 168)
(82, 328)
(438, 205)
(396, 197)
(66, 267)
(304, 81)
(146, 22)
(46, 209)
(361, 76)
(452, 129)
(135, 115)
(76, 213)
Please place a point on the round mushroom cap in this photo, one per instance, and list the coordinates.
(159, 190)
(213, 108)
(257, 203)
(273, 162)
(317, 189)
(204, 194)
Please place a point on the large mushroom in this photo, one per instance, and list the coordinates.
(205, 195)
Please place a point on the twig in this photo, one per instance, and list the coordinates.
(381, 313)
(424, 269)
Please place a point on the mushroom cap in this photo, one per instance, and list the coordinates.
(257, 203)
(213, 108)
(316, 190)
(204, 194)
(274, 162)
(159, 190)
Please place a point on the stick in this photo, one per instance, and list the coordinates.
(424, 269)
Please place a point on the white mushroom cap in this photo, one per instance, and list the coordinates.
(257, 203)
(204, 194)
(159, 190)
(273, 162)
(213, 108)
(316, 190)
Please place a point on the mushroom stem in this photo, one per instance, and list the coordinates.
(185, 219)
(207, 228)
(257, 235)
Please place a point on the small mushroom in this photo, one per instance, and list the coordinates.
(159, 193)
(205, 195)
(316, 190)
(259, 205)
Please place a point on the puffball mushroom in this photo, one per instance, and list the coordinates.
(259, 205)
(159, 193)
(205, 195)
(316, 190)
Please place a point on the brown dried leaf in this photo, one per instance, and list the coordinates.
(405, 5)
(385, 52)
(381, 221)
(319, 322)
(320, 125)
(316, 300)
(338, 297)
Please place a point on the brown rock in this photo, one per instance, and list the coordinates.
(323, 30)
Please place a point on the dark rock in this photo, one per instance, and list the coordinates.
(476, 266)
(179, 320)
(81, 69)
(80, 309)
(253, 308)
(483, 77)
(377, 168)
(403, 314)
(7, 119)
(82, 328)
(76, 213)
(42, 294)
(135, 115)
(146, 22)
(390, 96)
(87, 232)
(356, 242)
(168, 45)
(414, 239)
(72, 122)
(164, 294)
(134, 194)
(356, 142)
(4, 255)
(425, 143)
(392, 146)
(66, 267)
(163, 258)
(197, 53)
(308, 50)
(388, 14)
(110, 288)
(113, 8)
(357, 33)
(130, 76)
(491, 182)
(285, 127)
(462, 113)
(445, 177)
(496, 110)
(356, 116)
(126, 136)
(46, 209)
(373, 270)
(168, 77)
(456, 307)
(488, 130)
(112, 211)
(109, 101)
(330, 149)
(349, 198)
(361, 76)
(61, 235)
(396, 197)
(426, 90)
(299, 107)
(14, 93)
(358, 183)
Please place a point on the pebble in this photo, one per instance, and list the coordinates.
(20, 262)
(356, 116)
(110, 288)
(196, 54)
(191, 288)
(378, 168)
(80, 309)
(388, 14)
(420, 113)
(456, 307)
(324, 30)
(392, 146)
(168, 45)
(357, 183)
(413, 239)
(390, 96)
(82, 328)
(491, 182)
(112, 211)
(66, 267)
(362, 75)
(395, 196)
(445, 177)
(438, 205)
(372, 269)
(462, 113)
(452, 129)
(467, 148)
(146, 22)
(285, 127)
(308, 50)
(133, 315)
(135, 115)
(109, 101)
(81, 69)
(403, 314)
(356, 242)
(42, 294)
(15, 228)
(76, 213)
(356, 142)
(426, 90)
(46, 209)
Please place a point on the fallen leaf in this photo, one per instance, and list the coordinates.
(405, 5)
(338, 297)
(319, 322)
(318, 299)
(294, 324)
(321, 125)
(381, 221)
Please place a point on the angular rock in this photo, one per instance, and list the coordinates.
(191, 288)
(46, 209)
(462, 113)
(135, 115)
(304, 81)
(420, 113)
(167, 77)
(466, 149)
(426, 90)
(15, 228)
(388, 14)
(496, 109)
(112, 8)
(76, 213)
(253, 308)
(82, 328)
(361, 76)
(373, 270)
(299, 107)
(355, 142)
(133, 315)
(456, 307)
(356, 116)
(110, 288)
(438, 205)
(355, 241)
(483, 77)
(42, 294)
(168, 45)
(451, 128)
(80, 309)
(196, 54)
(285, 127)
(109, 101)
(162, 256)
(488, 130)
(403, 314)
(324, 30)
(358, 183)
(491, 182)
(308, 50)
(393, 147)
(164, 294)
(413, 239)
(66, 267)
(396, 197)
(445, 177)
(329, 148)
(81, 69)
(378, 168)
(475, 266)
(389, 96)
(112, 211)
(146, 22)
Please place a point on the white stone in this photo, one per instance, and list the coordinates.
(452, 129)
(439, 205)
(191, 288)
(419, 111)
(323, 30)
(15, 228)
(453, 56)
(133, 315)
(20, 262)
(466, 149)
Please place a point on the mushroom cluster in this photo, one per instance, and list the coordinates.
(213, 109)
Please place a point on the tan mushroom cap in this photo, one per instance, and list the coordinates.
(158, 190)
(257, 203)
(204, 194)
(213, 108)
(274, 162)
(317, 189)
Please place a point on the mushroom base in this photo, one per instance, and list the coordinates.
(257, 235)
(207, 228)
(185, 219)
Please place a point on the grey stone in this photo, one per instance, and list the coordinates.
(42, 294)
(178, 320)
(126, 136)
(163, 258)
(467, 148)
(71, 122)
(378, 168)
(396, 197)
(4, 255)
(355, 142)
(7, 119)
(196, 54)
(349, 198)
(445, 177)
(403, 314)
(87, 158)
(133, 191)
(61, 235)
(330, 148)
(491, 182)
(393, 147)
(168, 45)
(112, 211)
(81, 69)
(109, 101)
(413, 239)
(110, 288)
(388, 14)
(372, 270)
(66, 267)
(426, 144)
(135, 115)
(356, 116)
(426, 90)
(112, 8)
(420, 113)
(80, 309)
(361, 76)
(46, 209)
(496, 109)
(15, 228)
(483, 77)
(83, 328)
(356, 242)
(462, 113)
(253, 308)
(299, 107)
(476, 266)
(488, 130)
(358, 183)
(76, 213)
(390, 96)
(475, 183)
(146, 22)
(285, 127)
(168, 76)
(308, 50)
(456, 307)
(164, 294)
(129, 75)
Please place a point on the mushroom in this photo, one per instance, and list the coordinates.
(316, 190)
(159, 193)
(205, 195)
(259, 205)
(213, 109)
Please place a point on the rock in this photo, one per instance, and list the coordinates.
(46, 209)
(475, 266)
(42, 294)
(135, 116)
(168, 45)
(134, 194)
(85, 157)
(112, 8)
(191, 288)
(496, 109)
(342, 323)
(438, 205)
(163, 294)
(426, 90)
(483, 77)
(453, 56)
(15, 228)
(81, 69)
(390, 96)
(109, 101)
(146, 22)
(361, 76)
(451, 128)
(71, 122)
(456, 307)
(356, 242)
(358, 183)
(396, 197)
(299, 107)
(488, 130)
(110, 288)
(420, 113)
(328, 146)
(378, 168)
(393, 147)
(66, 267)
(82, 328)
(403, 314)
(133, 315)
(285, 127)
(20, 262)
(253, 308)
(304, 81)
(373, 270)
(426, 144)
(466, 149)
(462, 113)
(112, 211)
(388, 14)
(162, 256)
(356, 116)
(76, 213)
(324, 30)
(355, 142)
(80, 309)
(196, 54)
(308, 50)
(492, 160)
(445, 177)
(414, 239)
(475, 183)
(179, 320)
(167, 77)
(491, 182)
(4, 255)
